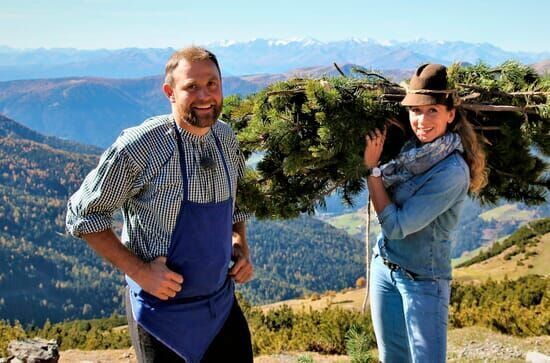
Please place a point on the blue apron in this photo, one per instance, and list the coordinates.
(200, 250)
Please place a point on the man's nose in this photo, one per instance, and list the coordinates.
(203, 92)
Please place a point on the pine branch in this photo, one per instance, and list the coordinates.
(312, 131)
(339, 70)
(477, 107)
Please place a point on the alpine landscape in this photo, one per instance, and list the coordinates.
(61, 107)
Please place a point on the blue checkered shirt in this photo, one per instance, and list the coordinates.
(141, 175)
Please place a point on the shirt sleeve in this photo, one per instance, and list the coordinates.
(239, 215)
(435, 197)
(103, 191)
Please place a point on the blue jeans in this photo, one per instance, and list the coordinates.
(409, 316)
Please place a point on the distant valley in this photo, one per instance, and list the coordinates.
(526, 256)
(479, 224)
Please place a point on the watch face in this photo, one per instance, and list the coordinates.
(376, 172)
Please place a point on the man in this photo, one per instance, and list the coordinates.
(175, 177)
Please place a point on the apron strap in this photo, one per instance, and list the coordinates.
(182, 162)
(184, 168)
(220, 150)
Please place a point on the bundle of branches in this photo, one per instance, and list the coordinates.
(309, 134)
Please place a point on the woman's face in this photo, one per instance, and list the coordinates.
(430, 121)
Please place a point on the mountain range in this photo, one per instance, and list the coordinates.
(94, 110)
(48, 274)
(251, 57)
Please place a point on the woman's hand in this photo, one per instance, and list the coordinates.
(373, 149)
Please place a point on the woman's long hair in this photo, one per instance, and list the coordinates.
(474, 155)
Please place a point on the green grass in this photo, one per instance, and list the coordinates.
(354, 223)
(466, 256)
(498, 267)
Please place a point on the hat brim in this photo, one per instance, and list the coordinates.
(415, 99)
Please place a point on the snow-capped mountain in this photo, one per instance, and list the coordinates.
(254, 56)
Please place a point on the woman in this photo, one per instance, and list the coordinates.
(418, 197)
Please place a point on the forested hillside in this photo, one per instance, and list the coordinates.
(520, 240)
(45, 273)
(48, 274)
(300, 256)
(8, 127)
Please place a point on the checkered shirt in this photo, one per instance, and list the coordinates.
(140, 173)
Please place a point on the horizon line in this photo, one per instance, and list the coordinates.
(277, 41)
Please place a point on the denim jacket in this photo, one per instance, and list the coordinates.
(417, 225)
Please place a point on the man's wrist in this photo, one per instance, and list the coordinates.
(137, 269)
(241, 250)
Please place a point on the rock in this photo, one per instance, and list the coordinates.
(536, 357)
(35, 350)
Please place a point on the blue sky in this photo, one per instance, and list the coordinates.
(512, 25)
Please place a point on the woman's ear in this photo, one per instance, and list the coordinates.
(452, 114)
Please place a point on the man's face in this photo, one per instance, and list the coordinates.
(196, 94)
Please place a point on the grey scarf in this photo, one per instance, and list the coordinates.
(413, 160)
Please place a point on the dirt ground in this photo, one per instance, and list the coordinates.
(465, 346)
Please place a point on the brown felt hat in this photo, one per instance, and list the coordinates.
(428, 86)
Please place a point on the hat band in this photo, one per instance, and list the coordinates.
(448, 92)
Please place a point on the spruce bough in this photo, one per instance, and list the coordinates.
(309, 134)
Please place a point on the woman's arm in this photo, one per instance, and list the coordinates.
(431, 200)
(373, 150)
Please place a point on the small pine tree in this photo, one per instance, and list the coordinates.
(357, 346)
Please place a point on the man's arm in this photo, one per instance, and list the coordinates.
(153, 277)
(243, 270)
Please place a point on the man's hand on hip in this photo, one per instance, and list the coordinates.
(242, 271)
(158, 280)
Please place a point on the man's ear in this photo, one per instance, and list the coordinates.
(169, 92)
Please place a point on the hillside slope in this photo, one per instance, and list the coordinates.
(301, 256)
(525, 252)
(93, 110)
(478, 225)
(47, 274)
(527, 255)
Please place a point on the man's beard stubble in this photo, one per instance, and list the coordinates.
(189, 116)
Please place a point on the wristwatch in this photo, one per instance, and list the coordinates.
(375, 172)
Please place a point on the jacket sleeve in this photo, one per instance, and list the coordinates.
(103, 191)
(442, 190)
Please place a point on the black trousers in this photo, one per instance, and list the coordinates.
(232, 344)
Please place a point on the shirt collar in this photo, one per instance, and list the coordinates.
(186, 135)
